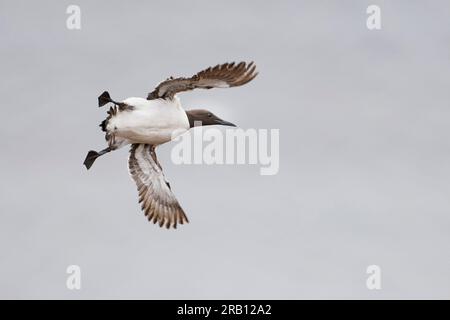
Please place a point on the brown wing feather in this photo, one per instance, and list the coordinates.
(221, 76)
(157, 200)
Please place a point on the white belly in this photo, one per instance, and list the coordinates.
(151, 121)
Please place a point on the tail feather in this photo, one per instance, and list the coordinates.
(104, 124)
(90, 158)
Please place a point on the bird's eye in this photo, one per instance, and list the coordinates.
(209, 115)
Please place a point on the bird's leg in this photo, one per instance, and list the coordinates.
(93, 155)
(104, 98)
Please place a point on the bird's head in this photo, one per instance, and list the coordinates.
(205, 118)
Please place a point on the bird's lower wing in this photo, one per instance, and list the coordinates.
(157, 200)
(221, 76)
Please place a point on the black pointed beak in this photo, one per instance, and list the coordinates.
(225, 123)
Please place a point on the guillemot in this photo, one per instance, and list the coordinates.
(147, 123)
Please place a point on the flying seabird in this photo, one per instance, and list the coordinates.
(147, 123)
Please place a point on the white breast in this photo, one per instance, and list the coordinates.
(150, 121)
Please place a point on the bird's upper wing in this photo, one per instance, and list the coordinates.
(221, 76)
(158, 202)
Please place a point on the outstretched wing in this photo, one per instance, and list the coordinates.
(157, 200)
(221, 76)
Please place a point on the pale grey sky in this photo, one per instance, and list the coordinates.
(364, 151)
